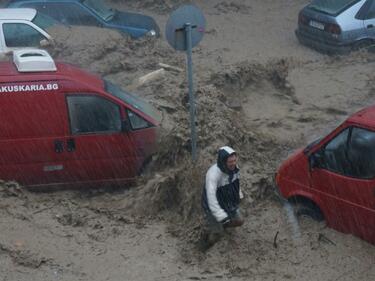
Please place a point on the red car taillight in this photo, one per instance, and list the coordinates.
(302, 19)
(333, 28)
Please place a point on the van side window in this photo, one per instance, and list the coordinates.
(136, 121)
(335, 154)
(362, 153)
(93, 114)
(21, 35)
(352, 153)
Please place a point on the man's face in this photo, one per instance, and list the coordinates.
(232, 162)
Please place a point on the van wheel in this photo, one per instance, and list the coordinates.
(362, 45)
(308, 209)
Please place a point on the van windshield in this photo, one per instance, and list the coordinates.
(134, 101)
(100, 8)
(332, 7)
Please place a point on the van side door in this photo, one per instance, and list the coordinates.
(31, 122)
(345, 179)
(97, 148)
(143, 135)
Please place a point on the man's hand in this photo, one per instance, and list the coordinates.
(232, 223)
(225, 221)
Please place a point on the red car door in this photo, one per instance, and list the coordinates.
(97, 148)
(344, 179)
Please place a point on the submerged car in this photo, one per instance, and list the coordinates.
(92, 13)
(21, 28)
(334, 177)
(337, 26)
(62, 126)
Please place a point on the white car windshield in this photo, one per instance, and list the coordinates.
(332, 7)
(100, 8)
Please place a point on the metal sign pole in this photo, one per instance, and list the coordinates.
(184, 30)
(189, 54)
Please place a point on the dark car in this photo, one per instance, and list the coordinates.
(92, 13)
(337, 26)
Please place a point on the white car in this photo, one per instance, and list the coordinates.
(23, 28)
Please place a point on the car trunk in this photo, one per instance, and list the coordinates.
(318, 26)
(332, 8)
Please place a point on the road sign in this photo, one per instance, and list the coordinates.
(184, 30)
(175, 28)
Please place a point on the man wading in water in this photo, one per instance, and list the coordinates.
(221, 197)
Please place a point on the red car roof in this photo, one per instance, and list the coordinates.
(365, 116)
(9, 73)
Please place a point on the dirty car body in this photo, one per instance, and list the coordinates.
(92, 13)
(337, 26)
(64, 127)
(337, 175)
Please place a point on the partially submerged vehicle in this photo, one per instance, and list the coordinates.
(62, 126)
(337, 26)
(334, 177)
(23, 28)
(92, 13)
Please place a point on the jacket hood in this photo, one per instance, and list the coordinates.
(222, 156)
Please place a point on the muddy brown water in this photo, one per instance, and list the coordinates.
(257, 90)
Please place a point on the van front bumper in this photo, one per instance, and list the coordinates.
(322, 44)
(277, 191)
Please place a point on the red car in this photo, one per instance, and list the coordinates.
(63, 126)
(334, 178)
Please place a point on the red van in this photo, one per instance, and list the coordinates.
(335, 177)
(63, 126)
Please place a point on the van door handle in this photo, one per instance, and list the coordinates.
(370, 26)
(59, 146)
(71, 145)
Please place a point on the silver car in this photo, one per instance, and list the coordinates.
(337, 26)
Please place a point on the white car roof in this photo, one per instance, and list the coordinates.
(17, 14)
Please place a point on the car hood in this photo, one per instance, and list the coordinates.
(126, 19)
(292, 158)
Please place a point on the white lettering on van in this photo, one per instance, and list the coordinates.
(29, 88)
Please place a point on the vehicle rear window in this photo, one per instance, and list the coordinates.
(332, 7)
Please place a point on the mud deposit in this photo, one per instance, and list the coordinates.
(258, 91)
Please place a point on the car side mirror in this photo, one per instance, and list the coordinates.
(125, 126)
(316, 160)
(45, 43)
